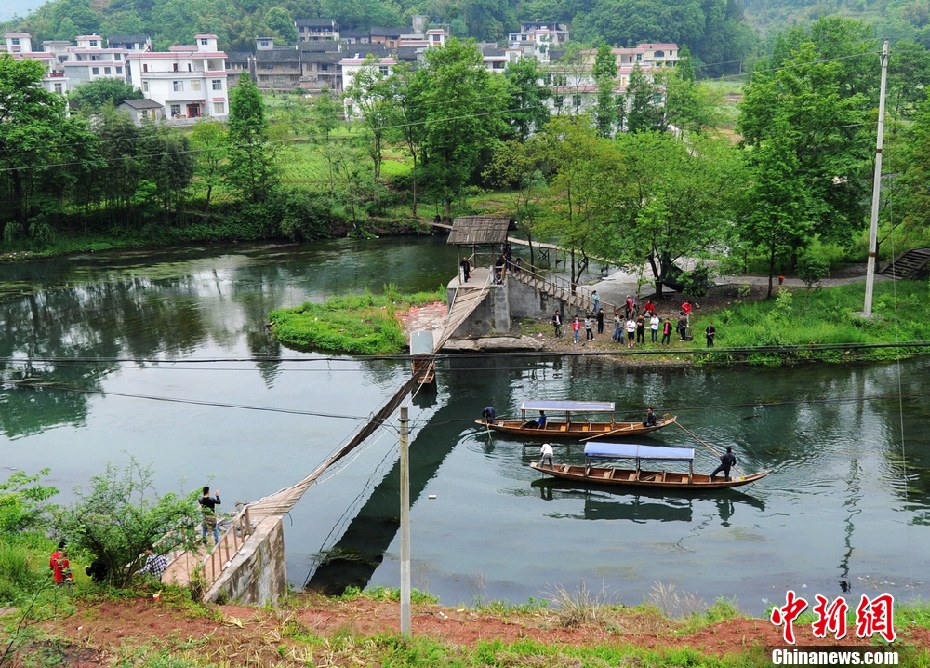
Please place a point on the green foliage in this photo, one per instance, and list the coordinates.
(697, 283)
(23, 502)
(358, 325)
(812, 267)
(120, 515)
(380, 593)
(93, 95)
(250, 169)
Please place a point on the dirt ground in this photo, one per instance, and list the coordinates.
(100, 633)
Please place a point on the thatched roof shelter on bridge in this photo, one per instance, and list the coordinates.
(479, 231)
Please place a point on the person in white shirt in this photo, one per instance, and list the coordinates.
(654, 326)
(545, 454)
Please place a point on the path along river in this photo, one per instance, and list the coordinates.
(153, 355)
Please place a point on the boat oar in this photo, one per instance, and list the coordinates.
(706, 445)
(606, 433)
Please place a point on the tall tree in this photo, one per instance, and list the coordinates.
(372, 99)
(209, 141)
(408, 123)
(37, 139)
(462, 105)
(605, 74)
(643, 103)
(251, 167)
(527, 111)
(805, 121)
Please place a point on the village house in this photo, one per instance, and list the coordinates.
(19, 46)
(142, 110)
(89, 60)
(276, 68)
(317, 30)
(189, 81)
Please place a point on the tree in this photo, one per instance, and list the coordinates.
(642, 102)
(679, 201)
(324, 114)
(462, 106)
(689, 106)
(806, 134)
(251, 168)
(372, 96)
(95, 94)
(527, 111)
(407, 89)
(41, 149)
(281, 23)
(167, 160)
(120, 515)
(605, 73)
(209, 142)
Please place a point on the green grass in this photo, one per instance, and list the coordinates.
(357, 325)
(805, 318)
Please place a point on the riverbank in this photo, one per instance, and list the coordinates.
(365, 630)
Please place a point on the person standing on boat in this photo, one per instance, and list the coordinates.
(650, 420)
(727, 460)
(489, 414)
(545, 454)
(557, 324)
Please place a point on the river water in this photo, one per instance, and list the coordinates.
(165, 357)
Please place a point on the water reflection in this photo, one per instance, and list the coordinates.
(642, 506)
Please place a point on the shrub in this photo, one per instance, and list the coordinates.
(812, 268)
(23, 503)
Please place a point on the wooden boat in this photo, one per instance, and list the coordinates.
(563, 426)
(639, 477)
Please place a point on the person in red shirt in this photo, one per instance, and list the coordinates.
(61, 567)
(686, 311)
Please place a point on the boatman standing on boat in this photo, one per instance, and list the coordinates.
(651, 420)
(489, 414)
(545, 454)
(727, 460)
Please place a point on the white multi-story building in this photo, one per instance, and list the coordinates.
(190, 81)
(350, 68)
(19, 46)
(536, 40)
(89, 60)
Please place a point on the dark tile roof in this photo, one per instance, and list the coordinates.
(408, 53)
(127, 38)
(139, 105)
(316, 23)
(389, 32)
(322, 45)
(237, 56)
(362, 50)
(321, 57)
(353, 33)
(478, 231)
(492, 51)
(285, 54)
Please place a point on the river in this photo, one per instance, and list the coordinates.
(164, 356)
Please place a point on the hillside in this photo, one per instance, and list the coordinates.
(714, 30)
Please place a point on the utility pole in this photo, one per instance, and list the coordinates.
(876, 189)
(404, 526)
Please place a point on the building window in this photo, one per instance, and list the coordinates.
(219, 107)
(383, 70)
(95, 70)
(93, 42)
(195, 85)
(119, 70)
(190, 67)
(204, 42)
(145, 67)
(217, 84)
(660, 54)
(58, 88)
(117, 56)
(639, 57)
(145, 86)
(178, 86)
(108, 70)
(576, 100)
(15, 41)
(175, 109)
(175, 67)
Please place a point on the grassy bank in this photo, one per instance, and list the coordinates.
(358, 325)
(803, 325)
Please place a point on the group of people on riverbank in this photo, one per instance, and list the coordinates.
(630, 326)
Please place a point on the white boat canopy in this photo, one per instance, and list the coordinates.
(569, 406)
(595, 450)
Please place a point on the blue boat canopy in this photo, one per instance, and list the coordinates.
(570, 406)
(594, 450)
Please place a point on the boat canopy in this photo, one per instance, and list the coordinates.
(594, 450)
(569, 406)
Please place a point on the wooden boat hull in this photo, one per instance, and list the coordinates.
(598, 475)
(555, 429)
